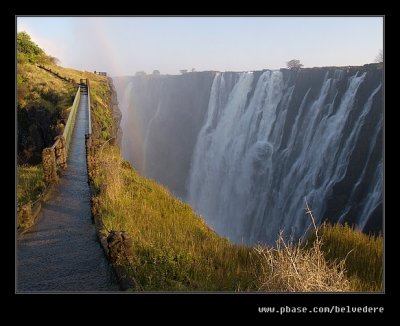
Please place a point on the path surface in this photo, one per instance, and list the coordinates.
(61, 252)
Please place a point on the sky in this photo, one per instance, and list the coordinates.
(122, 46)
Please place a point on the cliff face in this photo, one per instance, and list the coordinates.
(161, 118)
(117, 115)
(245, 149)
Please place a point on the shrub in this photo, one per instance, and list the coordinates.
(293, 268)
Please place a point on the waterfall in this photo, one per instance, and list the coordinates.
(246, 149)
(249, 187)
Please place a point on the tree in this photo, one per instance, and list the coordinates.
(29, 51)
(294, 64)
(183, 71)
(26, 45)
(379, 57)
(156, 72)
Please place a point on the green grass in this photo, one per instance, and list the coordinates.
(173, 249)
(30, 183)
(101, 114)
(38, 88)
(363, 255)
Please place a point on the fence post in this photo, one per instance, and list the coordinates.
(49, 165)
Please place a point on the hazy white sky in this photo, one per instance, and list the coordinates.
(125, 45)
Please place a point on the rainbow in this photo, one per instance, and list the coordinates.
(132, 128)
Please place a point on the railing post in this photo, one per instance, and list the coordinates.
(49, 165)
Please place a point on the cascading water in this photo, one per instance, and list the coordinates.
(265, 141)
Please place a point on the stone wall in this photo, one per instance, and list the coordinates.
(49, 165)
(54, 158)
(60, 152)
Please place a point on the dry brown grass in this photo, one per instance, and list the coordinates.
(363, 254)
(293, 268)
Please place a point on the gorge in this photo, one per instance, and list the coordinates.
(246, 149)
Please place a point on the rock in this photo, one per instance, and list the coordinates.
(25, 216)
(49, 165)
(119, 246)
(61, 152)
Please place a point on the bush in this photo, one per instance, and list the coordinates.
(293, 268)
(29, 51)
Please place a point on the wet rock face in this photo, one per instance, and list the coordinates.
(119, 246)
(117, 115)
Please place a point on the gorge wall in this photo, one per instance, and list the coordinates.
(245, 149)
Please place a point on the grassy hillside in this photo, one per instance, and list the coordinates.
(174, 250)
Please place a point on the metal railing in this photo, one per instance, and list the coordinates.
(69, 126)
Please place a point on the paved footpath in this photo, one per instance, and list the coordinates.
(61, 252)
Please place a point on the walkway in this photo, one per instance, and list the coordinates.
(61, 252)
